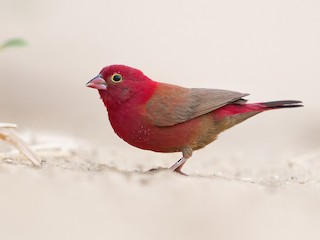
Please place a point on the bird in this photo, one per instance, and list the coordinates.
(167, 118)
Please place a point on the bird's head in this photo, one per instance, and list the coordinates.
(119, 83)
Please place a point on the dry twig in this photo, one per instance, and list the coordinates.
(7, 133)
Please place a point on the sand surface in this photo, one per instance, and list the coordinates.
(74, 195)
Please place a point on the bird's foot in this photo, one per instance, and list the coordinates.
(178, 170)
(160, 169)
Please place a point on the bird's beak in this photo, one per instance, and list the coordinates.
(98, 83)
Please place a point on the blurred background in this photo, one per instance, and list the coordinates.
(270, 49)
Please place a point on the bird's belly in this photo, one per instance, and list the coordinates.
(195, 133)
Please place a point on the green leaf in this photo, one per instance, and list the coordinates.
(14, 42)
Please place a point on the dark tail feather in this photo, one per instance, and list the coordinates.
(282, 104)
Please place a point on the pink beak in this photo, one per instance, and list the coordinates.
(98, 83)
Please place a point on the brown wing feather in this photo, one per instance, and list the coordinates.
(172, 104)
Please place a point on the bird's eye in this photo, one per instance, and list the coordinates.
(116, 78)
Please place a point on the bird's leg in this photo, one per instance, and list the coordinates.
(186, 154)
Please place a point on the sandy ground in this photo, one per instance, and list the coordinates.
(77, 196)
(260, 180)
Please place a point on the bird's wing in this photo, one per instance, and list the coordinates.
(171, 104)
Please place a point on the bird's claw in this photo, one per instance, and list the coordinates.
(160, 169)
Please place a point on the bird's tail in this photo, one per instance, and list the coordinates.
(281, 104)
(237, 113)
